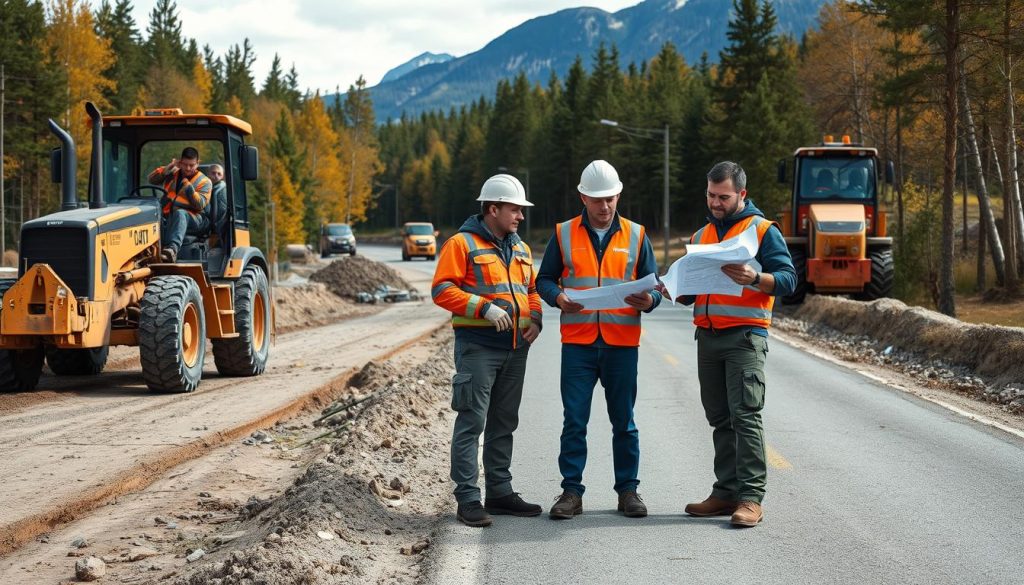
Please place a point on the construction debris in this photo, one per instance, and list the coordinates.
(351, 275)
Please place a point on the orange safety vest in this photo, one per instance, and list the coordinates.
(580, 270)
(752, 307)
(471, 272)
(182, 199)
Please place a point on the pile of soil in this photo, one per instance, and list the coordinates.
(983, 361)
(311, 305)
(349, 276)
(365, 511)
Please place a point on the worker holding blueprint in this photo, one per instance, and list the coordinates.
(735, 267)
(599, 269)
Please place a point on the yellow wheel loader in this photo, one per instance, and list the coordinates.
(90, 275)
(835, 224)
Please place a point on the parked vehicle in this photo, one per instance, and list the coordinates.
(337, 238)
(419, 239)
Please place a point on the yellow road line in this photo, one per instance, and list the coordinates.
(776, 460)
(670, 359)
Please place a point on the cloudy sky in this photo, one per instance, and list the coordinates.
(332, 42)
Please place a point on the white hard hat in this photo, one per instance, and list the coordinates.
(504, 189)
(599, 179)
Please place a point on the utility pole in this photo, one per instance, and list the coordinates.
(665, 210)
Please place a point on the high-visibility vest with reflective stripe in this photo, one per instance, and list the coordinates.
(752, 307)
(580, 270)
(471, 272)
(197, 183)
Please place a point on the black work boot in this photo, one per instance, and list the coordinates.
(473, 514)
(567, 505)
(169, 255)
(631, 505)
(511, 505)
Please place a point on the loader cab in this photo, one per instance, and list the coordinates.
(135, 145)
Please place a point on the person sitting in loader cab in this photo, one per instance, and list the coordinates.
(188, 193)
(217, 210)
(856, 184)
(825, 182)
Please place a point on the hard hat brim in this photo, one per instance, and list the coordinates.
(610, 192)
(519, 202)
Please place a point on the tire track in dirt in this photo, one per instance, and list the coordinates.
(39, 496)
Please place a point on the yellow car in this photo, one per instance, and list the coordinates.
(419, 239)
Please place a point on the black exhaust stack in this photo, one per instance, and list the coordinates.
(69, 200)
(96, 168)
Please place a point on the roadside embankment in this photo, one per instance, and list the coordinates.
(982, 360)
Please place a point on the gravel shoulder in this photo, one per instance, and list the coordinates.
(970, 369)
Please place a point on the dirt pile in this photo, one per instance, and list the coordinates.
(311, 305)
(365, 511)
(349, 276)
(979, 360)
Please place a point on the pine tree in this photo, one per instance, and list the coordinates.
(238, 78)
(165, 44)
(116, 24)
(274, 85)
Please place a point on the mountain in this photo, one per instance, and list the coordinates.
(416, 63)
(552, 42)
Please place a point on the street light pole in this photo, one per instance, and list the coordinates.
(647, 133)
(665, 210)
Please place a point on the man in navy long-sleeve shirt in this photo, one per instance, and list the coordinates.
(732, 346)
(598, 248)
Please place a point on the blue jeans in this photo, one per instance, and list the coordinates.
(180, 222)
(582, 367)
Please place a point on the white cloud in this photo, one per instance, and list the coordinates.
(331, 43)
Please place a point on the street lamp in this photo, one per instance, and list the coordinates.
(650, 133)
(525, 171)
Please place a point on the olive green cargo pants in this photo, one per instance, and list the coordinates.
(730, 366)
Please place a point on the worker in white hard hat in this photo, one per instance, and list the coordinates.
(598, 248)
(485, 278)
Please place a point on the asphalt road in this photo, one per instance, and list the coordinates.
(866, 484)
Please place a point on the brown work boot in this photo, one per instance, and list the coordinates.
(567, 505)
(747, 514)
(168, 255)
(631, 505)
(711, 507)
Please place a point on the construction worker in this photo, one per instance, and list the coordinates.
(732, 344)
(217, 210)
(485, 277)
(188, 193)
(598, 247)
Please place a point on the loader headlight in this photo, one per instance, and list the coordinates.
(62, 293)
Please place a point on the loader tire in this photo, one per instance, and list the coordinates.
(19, 368)
(799, 256)
(883, 271)
(172, 334)
(246, 355)
(76, 362)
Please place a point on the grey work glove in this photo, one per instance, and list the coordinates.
(498, 316)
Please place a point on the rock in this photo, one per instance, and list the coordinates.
(90, 569)
(205, 495)
(79, 543)
(226, 538)
(248, 441)
(172, 525)
(262, 437)
(141, 552)
(195, 555)
(323, 534)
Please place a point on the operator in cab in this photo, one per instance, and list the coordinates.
(188, 194)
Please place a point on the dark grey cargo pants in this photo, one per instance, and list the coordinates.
(486, 391)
